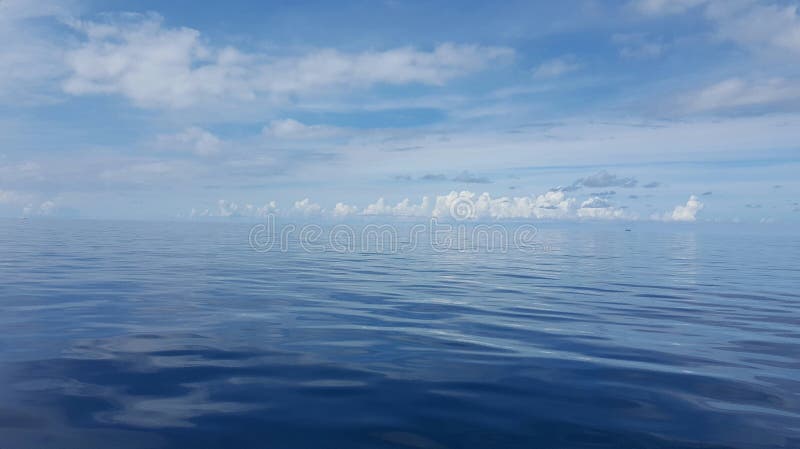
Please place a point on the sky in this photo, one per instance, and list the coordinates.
(674, 111)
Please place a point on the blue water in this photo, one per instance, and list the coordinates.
(146, 335)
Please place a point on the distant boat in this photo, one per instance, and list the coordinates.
(627, 229)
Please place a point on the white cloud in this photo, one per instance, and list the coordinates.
(752, 24)
(454, 205)
(378, 208)
(27, 9)
(233, 209)
(292, 129)
(404, 208)
(44, 209)
(462, 205)
(10, 197)
(155, 66)
(686, 212)
(739, 93)
(29, 55)
(466, 205)
(228, 209)
(601, 208)
(192, 139)
(554, 68)
(342, 210)
(469, 205)
(197, 213)
(136, 57)
(757, 25)
(32, 204)
(661, 7)
(267, 209)
(306, 207)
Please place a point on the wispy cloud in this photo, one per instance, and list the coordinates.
(294, 130)
(192, 139)
(556, 67)
(598, 180)
(433, 177)
(751, 24)
(31, 58)
(136, 56)
(737, 93)
(660, 7)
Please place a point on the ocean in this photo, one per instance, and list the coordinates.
(186, 335)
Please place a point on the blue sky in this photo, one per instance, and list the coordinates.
(683, 110)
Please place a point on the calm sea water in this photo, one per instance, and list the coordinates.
(137, 335)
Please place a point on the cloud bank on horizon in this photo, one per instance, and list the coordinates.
(588, 111)
(459, 206)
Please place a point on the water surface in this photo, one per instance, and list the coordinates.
(146, 335)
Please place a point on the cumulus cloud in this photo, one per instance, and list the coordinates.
(192, 139)
(404, 208)
(47, 207)
(306, 207)
(233, 209)
(554, 68)
(469, 205)
(685, 212)
(454, 205)
(32, 204)
(462, 205)
(136, 56)
(342, 210)
(600, 208)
